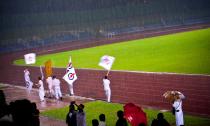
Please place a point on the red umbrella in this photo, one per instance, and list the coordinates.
(134, 114)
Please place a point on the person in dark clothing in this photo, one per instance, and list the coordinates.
(102, 120)
(95, 122)
(35, 114)
(24, 113)
(160, 121)
(71, 117)
(121, 120)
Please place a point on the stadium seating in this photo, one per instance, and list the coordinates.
(92, 18)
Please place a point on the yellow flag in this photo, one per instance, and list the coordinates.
(48, 68)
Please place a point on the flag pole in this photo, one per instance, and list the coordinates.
(41, 72)
(107, 74)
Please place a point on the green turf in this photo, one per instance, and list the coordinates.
(187, 52)
(94, 109)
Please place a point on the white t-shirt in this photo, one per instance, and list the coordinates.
(41, 85)
(56, 83)
(26, 76)
(49, 82)
(106, 84)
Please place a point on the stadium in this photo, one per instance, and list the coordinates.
(158, 46)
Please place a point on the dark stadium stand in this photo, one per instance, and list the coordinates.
(87, 19)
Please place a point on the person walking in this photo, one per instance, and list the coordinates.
(56, 83)
(29, 83)
(106, 84)
(50, 87)
(41, 89)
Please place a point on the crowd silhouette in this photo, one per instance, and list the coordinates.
(25, 113)
(18, 113)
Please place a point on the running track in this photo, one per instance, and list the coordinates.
(142, 88)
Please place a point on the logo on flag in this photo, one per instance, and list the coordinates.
(30, 58)
(106, 62)
(70, 75)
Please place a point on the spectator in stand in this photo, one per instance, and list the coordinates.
(160, 121)
(102, 120)
(121, 120)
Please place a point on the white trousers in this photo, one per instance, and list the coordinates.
(71, 89)
(108, 94)
(29, 86)
(179, 118)
(58, 93)
(41, 94)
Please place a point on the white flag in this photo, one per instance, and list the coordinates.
(106, 62)
(30, 58)
(70, 75)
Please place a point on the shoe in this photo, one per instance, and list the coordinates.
(61, 98)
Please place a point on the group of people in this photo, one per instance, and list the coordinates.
(76, 117)
(54, 89)
(121, 121)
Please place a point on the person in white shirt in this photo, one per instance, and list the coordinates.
(177, 104)
(107, 89)
(50, 86)
(28, 81)
(56, 84)
(41, 89)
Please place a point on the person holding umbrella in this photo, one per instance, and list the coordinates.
(177, 104)
(175, 97)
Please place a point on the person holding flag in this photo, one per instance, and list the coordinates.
(106, 83)
(70, 77)
(29, 83)
(106, 62)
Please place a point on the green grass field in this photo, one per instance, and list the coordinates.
(94, 109)
(187, 52)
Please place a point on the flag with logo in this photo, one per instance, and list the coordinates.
(70, 75)
(48, 68)
(30, 58)
(106, 62)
